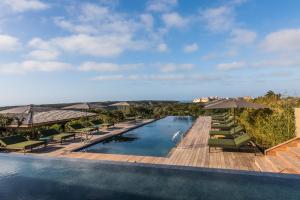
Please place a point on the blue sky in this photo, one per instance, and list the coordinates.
(70, 50)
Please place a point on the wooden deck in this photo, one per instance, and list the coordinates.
(283, 158)
(192, 151)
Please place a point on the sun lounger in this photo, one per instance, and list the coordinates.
(19, 142)
(107, 125)
(228, 133)
(130, 119)
(95, 123)
(220, 117)
(79, 128)
(225, 121)
(223, 126)
(234, 143)
(52, 134)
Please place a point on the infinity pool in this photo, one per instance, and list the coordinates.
(29, 178)
(154, 139)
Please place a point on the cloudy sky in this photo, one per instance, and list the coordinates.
(92, 50)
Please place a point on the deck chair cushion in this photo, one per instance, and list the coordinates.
(242, 139)
(12, 140)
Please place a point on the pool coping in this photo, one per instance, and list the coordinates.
(163, 166)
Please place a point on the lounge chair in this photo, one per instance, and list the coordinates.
(79, 128)
(95, 123)
(231, 132)
(234, 143)
(220, 116)
(19, 142)
(223, 126)
(107, 125)
(53, 134)
(225, 121)
(130, 119)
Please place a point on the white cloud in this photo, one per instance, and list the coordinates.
(162, 47)
(109, 78)
(232, 65)
(156, 77)
(76, 28)
(106, 45)
(286, 40)
(102, 45)
(98, 20)
(102, 67)
(24, 5)
(172, 67)
(218, 19)
(174, 20)
(161, 5)
(242, 36)
(42, 50)
(278, 62)
(148, 20)
(91, 12)
(32, 66)
(8, 43)
(186, 66)
(108, 67)
(168, 68)
(44, 66)
(101, 31)
(191, 48)
(44, 54)
(39, 44)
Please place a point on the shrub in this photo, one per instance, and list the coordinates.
(269, 127)
(57, 127)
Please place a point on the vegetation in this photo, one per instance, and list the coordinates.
(165, 109)
(4, 122)
(269, 127)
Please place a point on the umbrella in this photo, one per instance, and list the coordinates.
(120, 104)
(233, 103)
(84, 106)
(39, 115)
(28, 110)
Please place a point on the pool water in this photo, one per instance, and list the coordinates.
(154, 139)
(29, 178)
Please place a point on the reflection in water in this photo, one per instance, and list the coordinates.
(187, 119)
(121, 138)
(154, 139)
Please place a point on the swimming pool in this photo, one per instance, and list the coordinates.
(28, 178)
(154, 139)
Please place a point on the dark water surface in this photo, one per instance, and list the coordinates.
(154, 139)
(27, 178)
